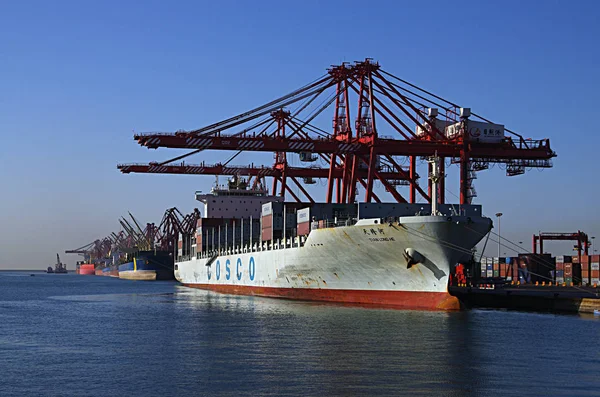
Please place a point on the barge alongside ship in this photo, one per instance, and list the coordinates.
(148, 266)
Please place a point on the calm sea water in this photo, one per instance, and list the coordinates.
(70, 335)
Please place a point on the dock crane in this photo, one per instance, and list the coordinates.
(424, 124)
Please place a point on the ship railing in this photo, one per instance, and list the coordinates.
(292, 242)
(327, 224)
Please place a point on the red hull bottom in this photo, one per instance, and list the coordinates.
(390, 299)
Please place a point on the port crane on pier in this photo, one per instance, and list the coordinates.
(423, 124)
(133, 237)
(582, 240)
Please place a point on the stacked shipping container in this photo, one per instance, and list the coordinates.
(561, 276)
(497, 267)
(593, 270)
(543, 268)
(585, 269)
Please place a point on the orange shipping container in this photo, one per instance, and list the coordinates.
(585, 277)
(568, 269)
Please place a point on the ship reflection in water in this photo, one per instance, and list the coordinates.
(162, 339)
(294, 347)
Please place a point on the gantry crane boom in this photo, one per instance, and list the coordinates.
(250, 170)
(535, 150)
(384, 103)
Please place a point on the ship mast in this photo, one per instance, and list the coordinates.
(435, 177)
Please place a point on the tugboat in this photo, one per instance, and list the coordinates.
(59, 268)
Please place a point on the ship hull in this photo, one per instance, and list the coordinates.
(142, 275)
(87, 269)
(362, 264)
(148, 266)
(111, 271)
(392, 299)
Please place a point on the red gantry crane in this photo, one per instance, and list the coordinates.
(356, 152)
(580, 237)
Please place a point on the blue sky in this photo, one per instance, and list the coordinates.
(78, 77)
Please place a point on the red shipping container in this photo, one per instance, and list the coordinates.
(595, 258)
(560, 266)
(267, 222)
(585, 267)
(595, 273)
(586, 258)
(303, 229)
(267, 234)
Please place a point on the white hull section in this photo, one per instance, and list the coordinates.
(145, 275)
(363, 257)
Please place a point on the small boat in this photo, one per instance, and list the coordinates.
(59, 268)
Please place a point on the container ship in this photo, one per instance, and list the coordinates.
(383, 254)
(148, 266)
(84, 268)
(110, 270)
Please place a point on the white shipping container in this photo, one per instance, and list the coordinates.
(560, 279)
(490, 273)
(595, 281)
(595, 266)
(303, 215)
(267, 209)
